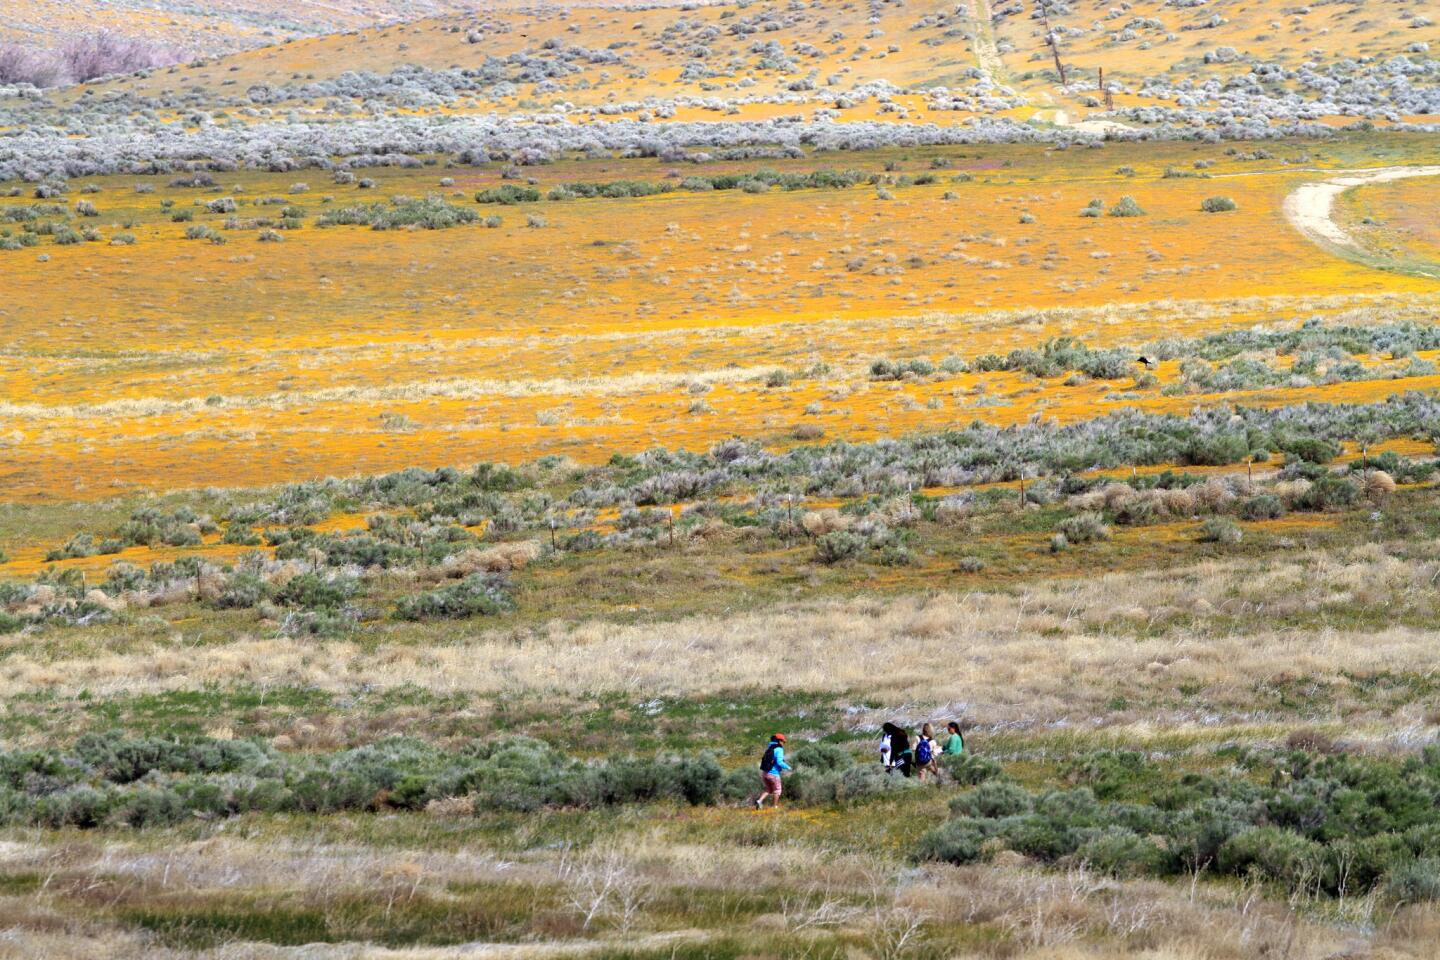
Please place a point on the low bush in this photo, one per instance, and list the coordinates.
(1328, 492)
(992, 801)
(83, 545)
(1220, 530)
(242, 590)
(968, 768)
(822, 758)
(509, 194)
(201, 231)
(958, 841)
(1122, 853)
(1323, 824)
(150, 527)
(837, 546)
(1084, 528)
(898, 369)
(1272, 853)
(431, 213)
(851, 784)
(1265, 506)
(1309, 449)
(1416, 881)
(1217, 204)
(480, 594)
(1127, 207)
(1399, 469)
(317, 591)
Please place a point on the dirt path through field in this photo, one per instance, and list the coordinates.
(987, 55)
(1311, 206)
(987, 52)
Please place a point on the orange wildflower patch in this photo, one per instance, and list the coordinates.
(629, 323)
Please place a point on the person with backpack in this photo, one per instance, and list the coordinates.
(925, 752)
(955, 743)
(902, 758)
(772, 766)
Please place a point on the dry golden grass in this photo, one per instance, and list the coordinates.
(1017, 912)
(1045, 650)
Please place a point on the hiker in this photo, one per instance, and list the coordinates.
(926, 752)
(772, 765)
(902, 758)
(955, 743)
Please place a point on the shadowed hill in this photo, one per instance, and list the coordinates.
(215, 26)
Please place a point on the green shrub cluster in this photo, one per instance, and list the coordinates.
(1321, 824)
(1059, 356)
(29, 213)
(479, 594)
(1084, 528)
(432, 213)
(758, 181)
(899, 369)
(1126, 207)
(105, 779)
(151, 527)
(203, 231)
(83, 545)
(509, 194)
(813, 180)
(1313, 337)
(837, 546)
(615, 189)
(1401, 469)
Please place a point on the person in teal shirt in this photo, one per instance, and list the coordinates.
(955, 743)
(772, 767)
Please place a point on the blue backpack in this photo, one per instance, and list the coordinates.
(924, 751)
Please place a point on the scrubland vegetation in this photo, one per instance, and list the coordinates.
(438, 455)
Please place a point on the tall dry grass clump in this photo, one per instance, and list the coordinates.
(820, 522)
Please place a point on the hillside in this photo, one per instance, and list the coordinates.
(921, 62)
(217, 26)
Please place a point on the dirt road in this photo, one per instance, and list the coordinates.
(1311, 207)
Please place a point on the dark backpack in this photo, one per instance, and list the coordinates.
(767, 759)
(924, 751)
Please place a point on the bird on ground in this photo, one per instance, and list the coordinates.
(1145, 362)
